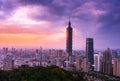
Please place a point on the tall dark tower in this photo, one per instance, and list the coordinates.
(90, 52)
(69, 41)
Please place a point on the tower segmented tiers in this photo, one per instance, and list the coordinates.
(69, 32)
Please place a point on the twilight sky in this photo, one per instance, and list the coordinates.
(34, 23)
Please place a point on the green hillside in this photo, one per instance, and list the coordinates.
(51, 73)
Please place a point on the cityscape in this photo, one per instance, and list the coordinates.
(81, 37)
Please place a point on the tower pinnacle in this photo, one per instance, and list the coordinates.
(69, 23)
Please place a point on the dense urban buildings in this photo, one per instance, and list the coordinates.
(87, 61)
(69, 32)
(90, 52)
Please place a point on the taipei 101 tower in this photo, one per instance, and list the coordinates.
(69, 42)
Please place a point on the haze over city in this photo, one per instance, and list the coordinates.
(35, 23)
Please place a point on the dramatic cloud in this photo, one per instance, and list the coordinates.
(30, 22)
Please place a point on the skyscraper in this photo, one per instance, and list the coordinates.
(106, 62)
(90, 52)
(69, 41)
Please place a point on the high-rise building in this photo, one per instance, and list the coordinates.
(96, 62)
(106, 62)
(85, 65)
(90, 52)
(69, 42)
(5, 50)
(78, 63)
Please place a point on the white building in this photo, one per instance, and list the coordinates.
(97, 62)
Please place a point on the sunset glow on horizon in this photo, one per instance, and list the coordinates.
(35, 23)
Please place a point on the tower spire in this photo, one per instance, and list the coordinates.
(69, 23)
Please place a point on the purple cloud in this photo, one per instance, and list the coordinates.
(93, 18)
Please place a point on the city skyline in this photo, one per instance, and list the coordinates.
(35, 23)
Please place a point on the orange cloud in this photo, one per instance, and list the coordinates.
(13, 35)
(31, 40)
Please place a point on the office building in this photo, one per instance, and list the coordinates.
(106, 62)
(90, 52)
(97, 62)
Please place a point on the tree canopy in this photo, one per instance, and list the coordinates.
(51, 73)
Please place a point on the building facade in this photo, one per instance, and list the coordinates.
(116, 67)
(69, 32)
(106, 62)
(97, 62)
(90, 52)
(85, 65)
